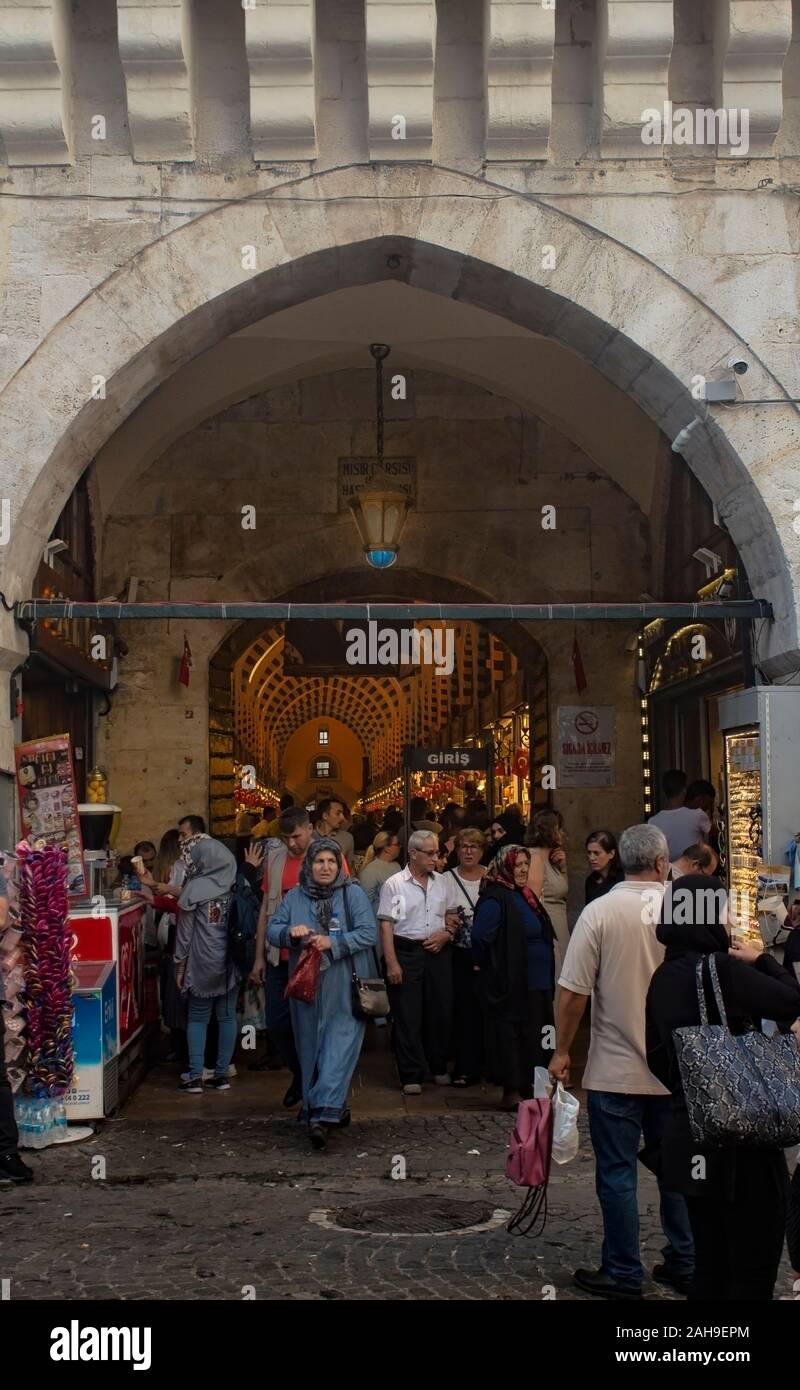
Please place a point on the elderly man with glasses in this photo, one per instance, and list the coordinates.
(417, 931)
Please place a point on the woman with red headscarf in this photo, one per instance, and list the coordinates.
(512, 944)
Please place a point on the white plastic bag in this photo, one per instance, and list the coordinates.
(565, 1115)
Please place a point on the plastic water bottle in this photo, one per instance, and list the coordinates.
(22, 1116)
(59, 1120)
(38, 1124)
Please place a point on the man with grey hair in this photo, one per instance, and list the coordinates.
(612, 956)
(417, 928)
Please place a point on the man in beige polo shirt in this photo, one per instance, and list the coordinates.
(612, 956)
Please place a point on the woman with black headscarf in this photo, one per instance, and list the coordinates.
(315, 916)
(506, 829)
(736, 1196)
(512, 944)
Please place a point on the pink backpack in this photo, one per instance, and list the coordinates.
(528, 1163)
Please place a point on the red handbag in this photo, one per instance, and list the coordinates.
(303, 980)
(528, 1164)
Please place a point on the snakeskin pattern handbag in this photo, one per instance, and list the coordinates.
(739, 1089)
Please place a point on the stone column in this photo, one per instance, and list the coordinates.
(634, 44)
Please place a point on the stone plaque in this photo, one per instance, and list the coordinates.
(355, 474)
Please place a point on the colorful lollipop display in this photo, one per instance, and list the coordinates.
(43, 907)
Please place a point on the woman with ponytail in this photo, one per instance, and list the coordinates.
(380, 862)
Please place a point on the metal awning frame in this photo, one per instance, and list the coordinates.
(32, 610)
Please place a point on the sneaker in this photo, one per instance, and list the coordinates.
(219, 1083)
(443, 1080)
(412, 1088)
(192, 1085)
(12, 1169)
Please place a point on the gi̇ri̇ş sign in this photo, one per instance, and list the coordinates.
(586, 745)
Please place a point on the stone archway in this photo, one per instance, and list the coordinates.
(397, 585)
(634, 323)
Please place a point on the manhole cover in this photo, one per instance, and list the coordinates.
(413, 1216)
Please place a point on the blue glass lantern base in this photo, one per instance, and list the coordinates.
(380, 559)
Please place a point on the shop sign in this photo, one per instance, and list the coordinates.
(457, 760)
(48, 801)
(586, 745)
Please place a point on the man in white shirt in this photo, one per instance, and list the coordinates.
(417, 930)
(683, 825)
(612, 956)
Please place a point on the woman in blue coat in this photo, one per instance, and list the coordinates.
(313, 916)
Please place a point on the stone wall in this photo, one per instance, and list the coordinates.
(477, 520)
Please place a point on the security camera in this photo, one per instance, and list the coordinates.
(738, 365)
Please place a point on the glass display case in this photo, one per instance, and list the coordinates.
(741, 844)
(760, 813)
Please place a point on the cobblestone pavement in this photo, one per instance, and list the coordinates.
(226, 1205)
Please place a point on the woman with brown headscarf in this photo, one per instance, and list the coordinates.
(512, 944)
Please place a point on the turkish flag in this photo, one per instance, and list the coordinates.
(186, 662)
(521, 763)
(577, 665)
(448, 784)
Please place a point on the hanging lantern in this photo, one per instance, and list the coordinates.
(380, 511)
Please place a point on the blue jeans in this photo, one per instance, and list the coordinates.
(616, 1124)
(199, 1013)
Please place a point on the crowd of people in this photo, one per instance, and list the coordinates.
(465, 917)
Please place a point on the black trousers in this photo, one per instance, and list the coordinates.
(422, 1010)
(793, 1221)
(9, 1138)
(467, 1016)
(279, 1019)
(738, 1244)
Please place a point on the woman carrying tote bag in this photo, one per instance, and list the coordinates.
(736, 1196)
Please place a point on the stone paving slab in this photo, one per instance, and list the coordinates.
(203, 1197)
(204, 1209)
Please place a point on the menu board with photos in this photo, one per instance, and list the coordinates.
(48, 801)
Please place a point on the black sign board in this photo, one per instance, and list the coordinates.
(341, 647)
(447, 759)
